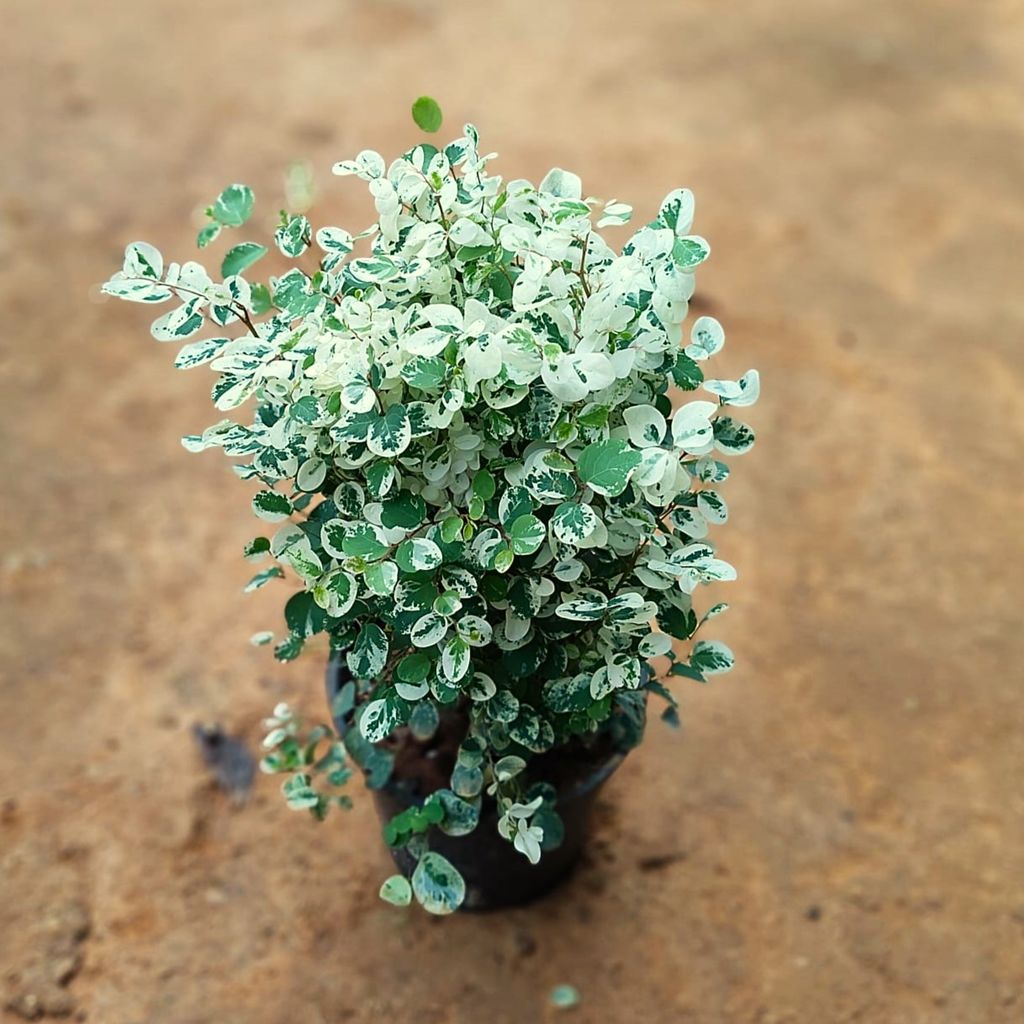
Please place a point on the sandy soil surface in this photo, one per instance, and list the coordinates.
(837, 834)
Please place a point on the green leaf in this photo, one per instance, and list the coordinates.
(380, 717)
(428, 630)
(414, 595)
(476, 631)
(503, 706)
(437, 885)
(547, 484)
(374, 269)
(424, 720)
(293, 237)
(450, 529)
(676, 211)
(256, 549)
(271, 506)
(299, 794)
(687, 671)
(561, 183)
(711, 657)
(571, 694)
(379, 478)
(527, 534)
(733, 437)
(375, 762)
(594, 418)
(447, 604)
(397, 891)
(233, 206)
(207, 234)
(199, 352)
(391, 433)
(179, 323)
(503, 559)
(335, 592)
(240, 257)
(425, 372)
(524, 661)
(143, 260)
(690, 252)
(311, 475)
(484, 485)
(583, 609)
(418, 555)
(706, 338)
(460, 816)
(467, 780)
(289, 648)
(606, 466)
(455, 659)
(304, 616)
(261, 579)
(508, 767)
(369, 654)
(686, 373)
(294, 295)
(405, 511)
(573, 522)
(381, 578)
(260, 298)
(414, 668)
(515, 502)
(712, 506)
(525, 596)
(359, 540)
(540, 414)
(677, 622)
(427, 114)
(411, 692)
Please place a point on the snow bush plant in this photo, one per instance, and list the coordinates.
(463, 437)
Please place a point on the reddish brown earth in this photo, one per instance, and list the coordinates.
(838, 835)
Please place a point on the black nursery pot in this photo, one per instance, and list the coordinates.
(496, 874)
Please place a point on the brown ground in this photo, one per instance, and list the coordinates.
(837, 836)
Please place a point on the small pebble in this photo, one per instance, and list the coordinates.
(564, 997)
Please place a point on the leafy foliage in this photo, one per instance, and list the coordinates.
(315, 763)
(464, 438)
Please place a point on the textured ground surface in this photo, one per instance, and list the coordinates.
(838, 834)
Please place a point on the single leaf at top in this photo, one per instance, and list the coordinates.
(427, 114)
(233, 206)
(241, 257)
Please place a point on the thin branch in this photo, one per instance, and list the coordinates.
(240, 311)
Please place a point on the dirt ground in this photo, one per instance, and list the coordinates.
(838, 833)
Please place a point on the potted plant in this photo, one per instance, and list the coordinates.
(463, 435)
